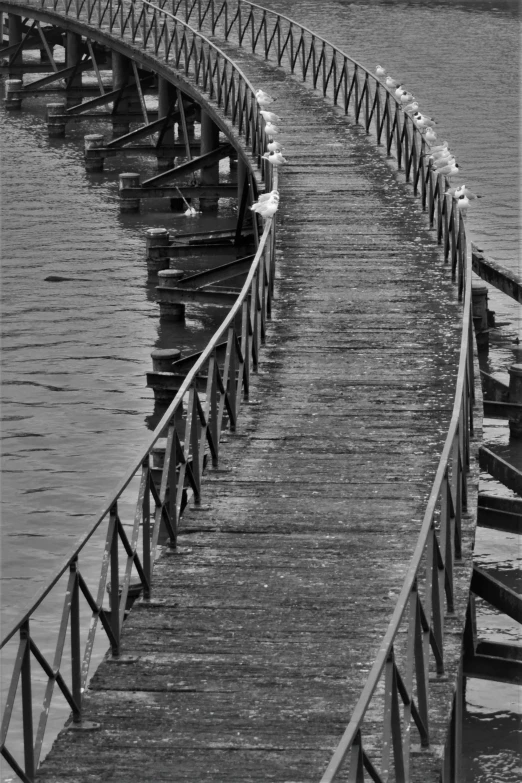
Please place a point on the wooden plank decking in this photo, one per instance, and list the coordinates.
(280, 592)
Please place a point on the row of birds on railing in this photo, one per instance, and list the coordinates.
(268, 203)
(441, 158)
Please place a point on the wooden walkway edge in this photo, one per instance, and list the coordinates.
(267, 618)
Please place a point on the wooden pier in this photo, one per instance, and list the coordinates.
(294, 612)
(247, 663)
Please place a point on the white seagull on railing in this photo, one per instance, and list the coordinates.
(462, 190)
(263, 98)
(275, 158)
(274, 146)
(269, 116)
(380, 71)
(271, 129)
(430, 135)
(392, 83)
(411, 107)
(266, 208)
(450, 170)
(273, 194)
(439, 148)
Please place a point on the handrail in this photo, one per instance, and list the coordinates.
(161, 499)
(439, 540)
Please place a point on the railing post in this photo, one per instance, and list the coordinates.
(27, 703)
(147, 564)
(76, 655)
(114, 586)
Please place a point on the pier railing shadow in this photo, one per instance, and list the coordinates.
(398, 686)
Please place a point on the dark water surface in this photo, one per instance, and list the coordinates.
(75, 408)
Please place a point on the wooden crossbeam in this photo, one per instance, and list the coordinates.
(498, 519)
(219, 274)
(496, 275)
(218, 296)
(496, 593)
(185, 364)
(109, 97)
(47, 48)
(500, 469)
(191, 165)
(188, 191)
(140, 92)
(140, 133)
(64, 73)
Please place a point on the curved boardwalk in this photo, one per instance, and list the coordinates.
(272, 609)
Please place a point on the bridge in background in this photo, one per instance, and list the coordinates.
(299, 553)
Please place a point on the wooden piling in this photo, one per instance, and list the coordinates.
(480, 314)
(94, 157)
(56, 120)
(166, 98)
(155, 240)
(173, 311)
(13, 94)
(14, 23)
(515, 395)
(162, 360)
(73, 56)
(121, 69)
(209, 174)
(129, 180)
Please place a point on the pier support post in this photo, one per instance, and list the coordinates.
(209, 174)
(515, 395)
(162, 359)
(56, 120)
(14, 23)
(168, 278)
(480, 314)
(163, 387)
(73, 56)
(13, 94)
(166, 98)
(121, 69)
(93, 156)
(155, 240)
(129, 180)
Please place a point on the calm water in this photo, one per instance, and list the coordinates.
(75, 407)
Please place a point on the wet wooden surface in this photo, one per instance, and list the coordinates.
(278, 597)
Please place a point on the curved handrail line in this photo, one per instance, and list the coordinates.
(157, 434)
(449, 492)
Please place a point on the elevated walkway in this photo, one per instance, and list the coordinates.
(247, 664)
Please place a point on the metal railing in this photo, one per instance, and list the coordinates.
(400, 672)
(209, 400)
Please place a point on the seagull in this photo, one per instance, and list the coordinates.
(462, 190)
(269, 116)
(413, 107)
(268, 208)
(406, 97)
(439, 148)
(263, 98)
(380, 71)
(450, 170)
(273, 194)
(190, 212)
(423, 122)
(271, 129)
(442, 162)
(274, 146)
(430, 135)
(391, 82)
(275, 158)
(463, 203)
(399, 91)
